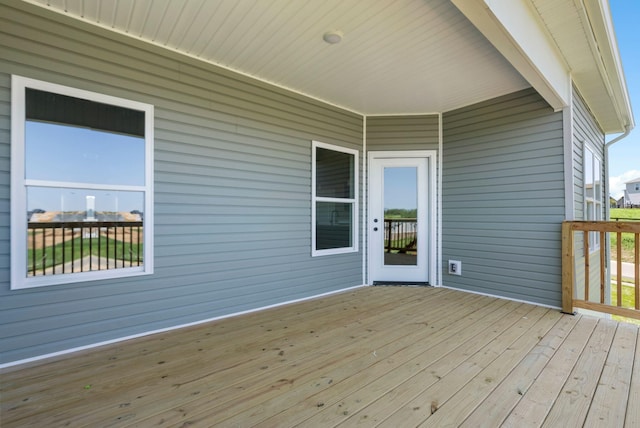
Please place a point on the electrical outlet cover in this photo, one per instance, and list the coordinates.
(455, 267)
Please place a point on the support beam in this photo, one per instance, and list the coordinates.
(517, 33)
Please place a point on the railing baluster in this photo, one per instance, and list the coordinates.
(33, 250)
(81, 249)
(107, 245)
(73, 249)
(64, 245)
(138, 244)
(637, 270)
(99, 248)
(587, 276)
(53, 251)
(602, 265)
(619, 266)
(124, 257)
(90, 248)
(44, 253)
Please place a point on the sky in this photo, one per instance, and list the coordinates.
(83, 156)
(624, 156)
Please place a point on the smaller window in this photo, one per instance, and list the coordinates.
(334, 190)
(592, 194)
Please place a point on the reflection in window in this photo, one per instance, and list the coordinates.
(334, 199)
(333, 225)
(593, 194)
(400, 216)
(334, 174)
(82, 155)
(85, 177)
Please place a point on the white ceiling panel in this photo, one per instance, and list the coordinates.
(400, 57)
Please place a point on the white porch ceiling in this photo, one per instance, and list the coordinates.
(396, 57)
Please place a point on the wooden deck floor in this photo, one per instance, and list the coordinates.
(377, 356)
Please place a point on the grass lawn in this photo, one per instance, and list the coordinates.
(628, 291)
(117, 251)
(628, 240)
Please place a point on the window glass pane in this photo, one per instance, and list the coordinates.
(588, 173)
(334, 174)
(66, 204)
(79, 230)
(590, 210)
(59, 152)
(597, 180)
(333, 225)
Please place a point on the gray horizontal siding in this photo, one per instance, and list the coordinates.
(503, 197)
(585, 132)
(402, 132)
(232, 189)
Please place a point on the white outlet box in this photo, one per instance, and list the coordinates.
(455, 267)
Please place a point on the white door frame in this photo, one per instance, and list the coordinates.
(431, 217)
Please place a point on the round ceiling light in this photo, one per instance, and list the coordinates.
(332, 37)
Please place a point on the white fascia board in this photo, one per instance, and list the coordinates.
(515, 31)
(607, 57)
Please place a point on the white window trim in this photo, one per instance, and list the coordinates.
(19, 280)
(354, 201)
(594, 237)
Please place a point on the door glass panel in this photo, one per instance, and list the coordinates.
(400, 216)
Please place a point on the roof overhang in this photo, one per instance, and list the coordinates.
(552, 43)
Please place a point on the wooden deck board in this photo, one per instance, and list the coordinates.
(572, 405)
(612, 393)
(456, 410)
(334, 350)
(632, 418)
(415, 412)
(540, 397)
(496, 407)
(371, 388)
(338, 375)
(390, 356)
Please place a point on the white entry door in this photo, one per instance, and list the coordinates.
(398, 218)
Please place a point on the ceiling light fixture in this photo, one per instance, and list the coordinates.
(332, 37)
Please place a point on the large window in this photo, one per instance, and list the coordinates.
(334, 199)
(592, 193)
(81, 200)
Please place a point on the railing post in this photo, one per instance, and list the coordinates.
(568, 269)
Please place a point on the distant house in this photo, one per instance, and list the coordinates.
(612, 202)
(632, 194)
(264, 140)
